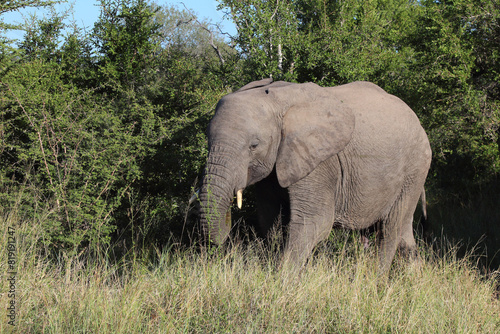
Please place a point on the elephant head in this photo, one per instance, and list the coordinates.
(263, 126)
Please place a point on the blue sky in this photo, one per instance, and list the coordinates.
(86, 13)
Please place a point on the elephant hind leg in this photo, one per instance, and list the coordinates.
(407, 245)
(388, 242)
(397, 230)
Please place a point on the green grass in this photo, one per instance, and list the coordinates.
(242, 291)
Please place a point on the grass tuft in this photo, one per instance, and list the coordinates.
(243, 290)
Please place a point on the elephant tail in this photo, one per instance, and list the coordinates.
(424, 222)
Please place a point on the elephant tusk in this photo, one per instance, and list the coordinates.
(239, 198)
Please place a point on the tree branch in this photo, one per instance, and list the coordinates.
(199, 24)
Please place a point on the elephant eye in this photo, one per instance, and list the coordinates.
(254, 145)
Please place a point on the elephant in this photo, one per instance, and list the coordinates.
(350, 156)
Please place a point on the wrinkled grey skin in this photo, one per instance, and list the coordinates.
(351, 156)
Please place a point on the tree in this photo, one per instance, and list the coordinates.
(453, 80)
(267, 37)
(13, 5)
(73, 153)
(125, 36)
(7, 52)
(328, 42)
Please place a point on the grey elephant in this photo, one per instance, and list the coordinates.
(350, 156)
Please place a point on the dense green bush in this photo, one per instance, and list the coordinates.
(103, 132)
(71, 158)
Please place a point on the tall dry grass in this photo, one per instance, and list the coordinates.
(241, 290)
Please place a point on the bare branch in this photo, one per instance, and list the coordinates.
(202, 26)
(212, 44)
(181, 22)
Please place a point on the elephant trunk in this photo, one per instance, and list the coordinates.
(216, 196)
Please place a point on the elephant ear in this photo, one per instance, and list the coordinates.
(256, 84)
(312, 132)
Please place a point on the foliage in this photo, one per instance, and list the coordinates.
(13, 5)
(455, 96)
(8, 54)
(124, 37)
(327, 42)
(66, 151)
(266, 37)
(103, 133)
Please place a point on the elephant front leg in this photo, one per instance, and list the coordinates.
(312, 215)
